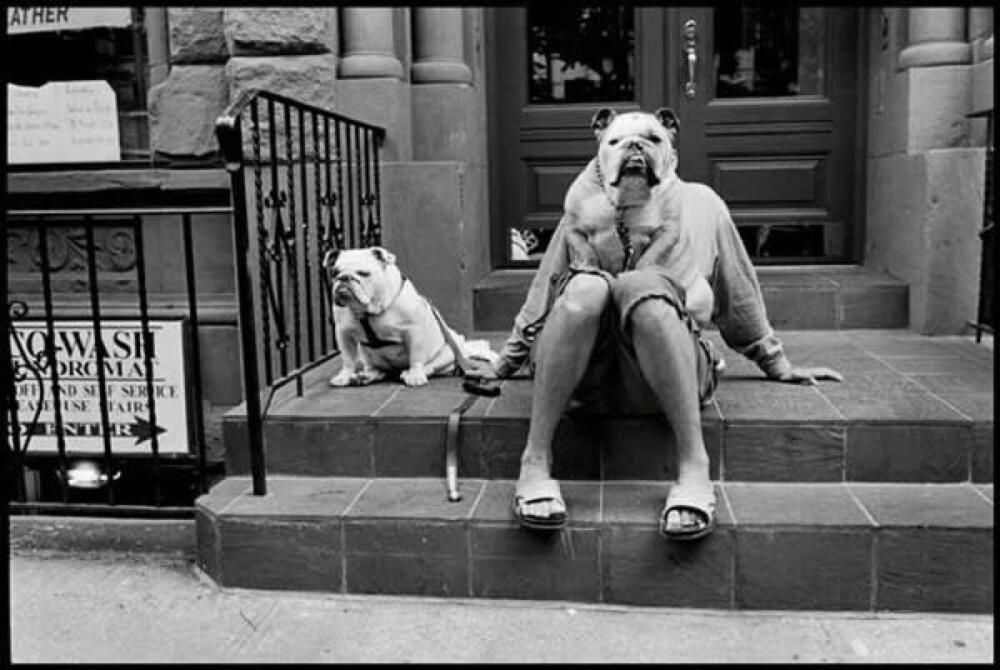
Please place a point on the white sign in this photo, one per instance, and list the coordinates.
(62, 122)
(125, 384)
(21, 20)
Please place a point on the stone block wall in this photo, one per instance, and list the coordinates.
(926, 157)
(417, 72)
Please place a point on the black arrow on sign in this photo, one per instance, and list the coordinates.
(143, 430)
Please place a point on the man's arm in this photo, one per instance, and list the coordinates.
(531, 316)
(740, 312)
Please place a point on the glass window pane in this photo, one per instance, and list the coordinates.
(581, 54)
(769, 50)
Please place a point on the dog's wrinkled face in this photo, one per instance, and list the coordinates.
(357, 276)
(636, 145)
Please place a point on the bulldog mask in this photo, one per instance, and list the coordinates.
(630, 218)
(383, 326)
(636, 153)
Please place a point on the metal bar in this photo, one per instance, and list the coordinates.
(352, 237)
(367, 222)
(297, 374)
(111, 211)
(10, 391)
(95, 306)
(196, 385)
(378, 186)
(147, 355)
(327, 231)
(50, 353)
(250, 95)
(305, 236)
(290, 239)
(248, 334)
(277, 231)
(262, 264)
(338, 230)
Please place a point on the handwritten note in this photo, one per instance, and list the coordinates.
(62, 122)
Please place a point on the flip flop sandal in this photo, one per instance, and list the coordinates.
(691, 497)
(545, 490)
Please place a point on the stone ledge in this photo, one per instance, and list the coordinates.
(88, 535)
(69, 180)
(794, 547)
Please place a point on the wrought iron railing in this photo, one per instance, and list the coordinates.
(306, 181)
(72, 366)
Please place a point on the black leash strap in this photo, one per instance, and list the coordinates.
(473, 384)
(451, 447)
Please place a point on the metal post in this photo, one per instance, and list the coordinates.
(231, 142)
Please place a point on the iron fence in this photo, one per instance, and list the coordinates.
(66, 360)
(306, 181)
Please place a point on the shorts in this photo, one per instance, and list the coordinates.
(613, 381)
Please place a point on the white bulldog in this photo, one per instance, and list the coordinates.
(384, 326)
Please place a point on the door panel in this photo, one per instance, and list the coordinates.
(772, 125)
(769, 122)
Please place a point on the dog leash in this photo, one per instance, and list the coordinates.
(475, 385)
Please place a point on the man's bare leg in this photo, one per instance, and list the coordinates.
(666, 357)
(564, 349)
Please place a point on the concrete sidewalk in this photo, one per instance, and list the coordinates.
(114, 607)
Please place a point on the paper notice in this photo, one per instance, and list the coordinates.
(62, 122)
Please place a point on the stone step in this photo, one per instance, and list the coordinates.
(820, 546)
(911, 409)
(797, 298)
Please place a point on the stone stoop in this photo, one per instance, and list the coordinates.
(818, 297)
(871, 494)
(854, 546)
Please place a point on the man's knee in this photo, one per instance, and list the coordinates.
(585, 296)
(654, 318)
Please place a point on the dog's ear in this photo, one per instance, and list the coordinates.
(330, 259)
(384, 255)
(669, 119)
(601, 120)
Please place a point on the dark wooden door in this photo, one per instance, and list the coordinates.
(767, 107)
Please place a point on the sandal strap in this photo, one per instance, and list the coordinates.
(543, 489)
(691, 496)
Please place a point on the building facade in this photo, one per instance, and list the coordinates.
(836, 135)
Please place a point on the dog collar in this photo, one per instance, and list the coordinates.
(374, 341)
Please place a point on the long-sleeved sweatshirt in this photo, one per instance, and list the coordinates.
(710, 242)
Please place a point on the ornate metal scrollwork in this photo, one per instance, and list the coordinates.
(22, 367)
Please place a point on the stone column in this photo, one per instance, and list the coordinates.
(447, 182)
(441, 86)
(936, 74)
(438, 47)
(981, 36)
(372, 85)
(936, 37)
(369, 50)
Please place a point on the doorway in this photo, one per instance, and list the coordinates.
(767, 96)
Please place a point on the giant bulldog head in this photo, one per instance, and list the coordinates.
(635, 147)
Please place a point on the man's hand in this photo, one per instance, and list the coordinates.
(797, 375)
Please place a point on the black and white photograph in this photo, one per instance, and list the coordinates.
(542, 333)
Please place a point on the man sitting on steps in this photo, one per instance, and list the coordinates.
(639, 262)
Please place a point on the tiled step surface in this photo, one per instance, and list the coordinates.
(799, 298)
(819, 546)
(911, 409)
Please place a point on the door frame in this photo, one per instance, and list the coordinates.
(669, 22)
